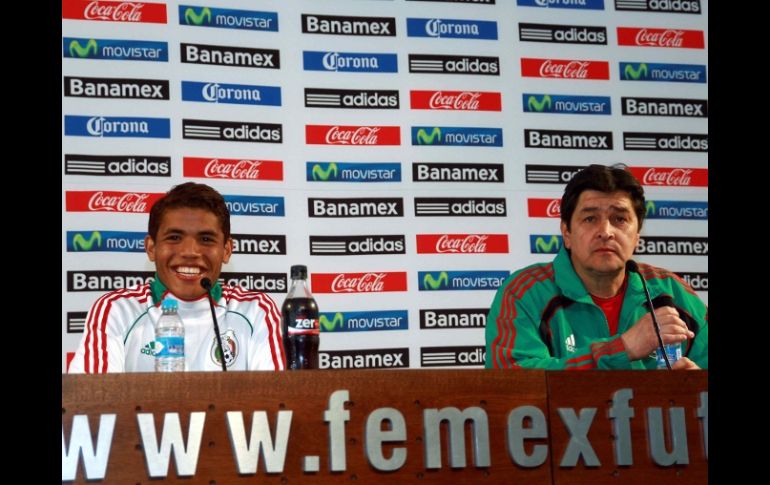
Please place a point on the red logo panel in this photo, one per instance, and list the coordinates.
(544, 207)
(672, 38)
(352, 135)
(233, 168)
(373, 282)
(110, 201)
(106, 11)
(671, 177)
(456, 100)
(565, 68)
(462, 243)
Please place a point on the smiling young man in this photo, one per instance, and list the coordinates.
(585, 310)
(189, 239)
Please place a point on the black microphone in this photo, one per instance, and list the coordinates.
(631, 266)
(206, 284)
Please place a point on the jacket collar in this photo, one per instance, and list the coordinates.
(159, 290)
(573, 288)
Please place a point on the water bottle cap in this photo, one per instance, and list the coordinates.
(299, 271)
(169, 303)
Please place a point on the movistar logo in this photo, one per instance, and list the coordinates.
(330, 326)
(423, 138)
(435, 284)
(80, 243)
(550, 246)
(320, 174)
(635, 73)
(76, 50)
(197, 19)
(542, 105)
(650, 208)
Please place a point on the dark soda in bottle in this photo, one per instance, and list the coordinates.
(301, 330)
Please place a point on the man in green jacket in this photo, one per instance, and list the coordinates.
(585, 310)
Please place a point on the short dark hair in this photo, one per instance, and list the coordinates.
(603, 179)
(192, 195)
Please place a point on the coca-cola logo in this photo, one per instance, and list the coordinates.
(367, 282)
(128, 202)
(465, 100)
(233, 169)
(470, 243)
(568, 70)
(554, 208)
(665, 38)
(673, 177)
(120, 12)
(363, 135)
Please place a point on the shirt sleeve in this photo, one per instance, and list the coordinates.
(266, 346)
(101, 349)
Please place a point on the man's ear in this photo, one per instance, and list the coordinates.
(565, 234)
(149, 247)
(228, 250)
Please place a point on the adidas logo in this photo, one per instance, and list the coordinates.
(149, 348)
(569, 343)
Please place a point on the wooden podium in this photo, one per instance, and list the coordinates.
(386, 426)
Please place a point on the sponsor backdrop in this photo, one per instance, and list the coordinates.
(412, 153)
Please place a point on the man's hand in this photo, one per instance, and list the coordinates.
(684, 364)
(640, 340)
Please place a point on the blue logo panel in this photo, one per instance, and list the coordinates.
(105, 241)
(246, 205)
(117, 127)
(565, 104)
(364, 321)
(457, 136)
(349, 61)
(451, 28)
(460, 280)
(231, 93)
(675, 73)
(545, 243)
(115, 49)
(677, 209)
(352, 172)
(581, 5)
(226, 18)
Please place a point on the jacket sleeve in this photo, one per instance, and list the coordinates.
(101, 349)
(695, 314)
(266, 346)
(514, 341)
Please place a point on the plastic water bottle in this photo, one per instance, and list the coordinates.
(169, 338)
(674, 352)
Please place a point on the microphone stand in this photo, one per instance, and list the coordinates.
(206, 284)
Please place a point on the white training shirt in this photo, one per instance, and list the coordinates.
(119, 335)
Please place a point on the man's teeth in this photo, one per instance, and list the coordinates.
(186, 270)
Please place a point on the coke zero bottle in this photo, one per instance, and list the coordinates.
(301, 331)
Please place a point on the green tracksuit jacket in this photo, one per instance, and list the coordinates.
(543, 317)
